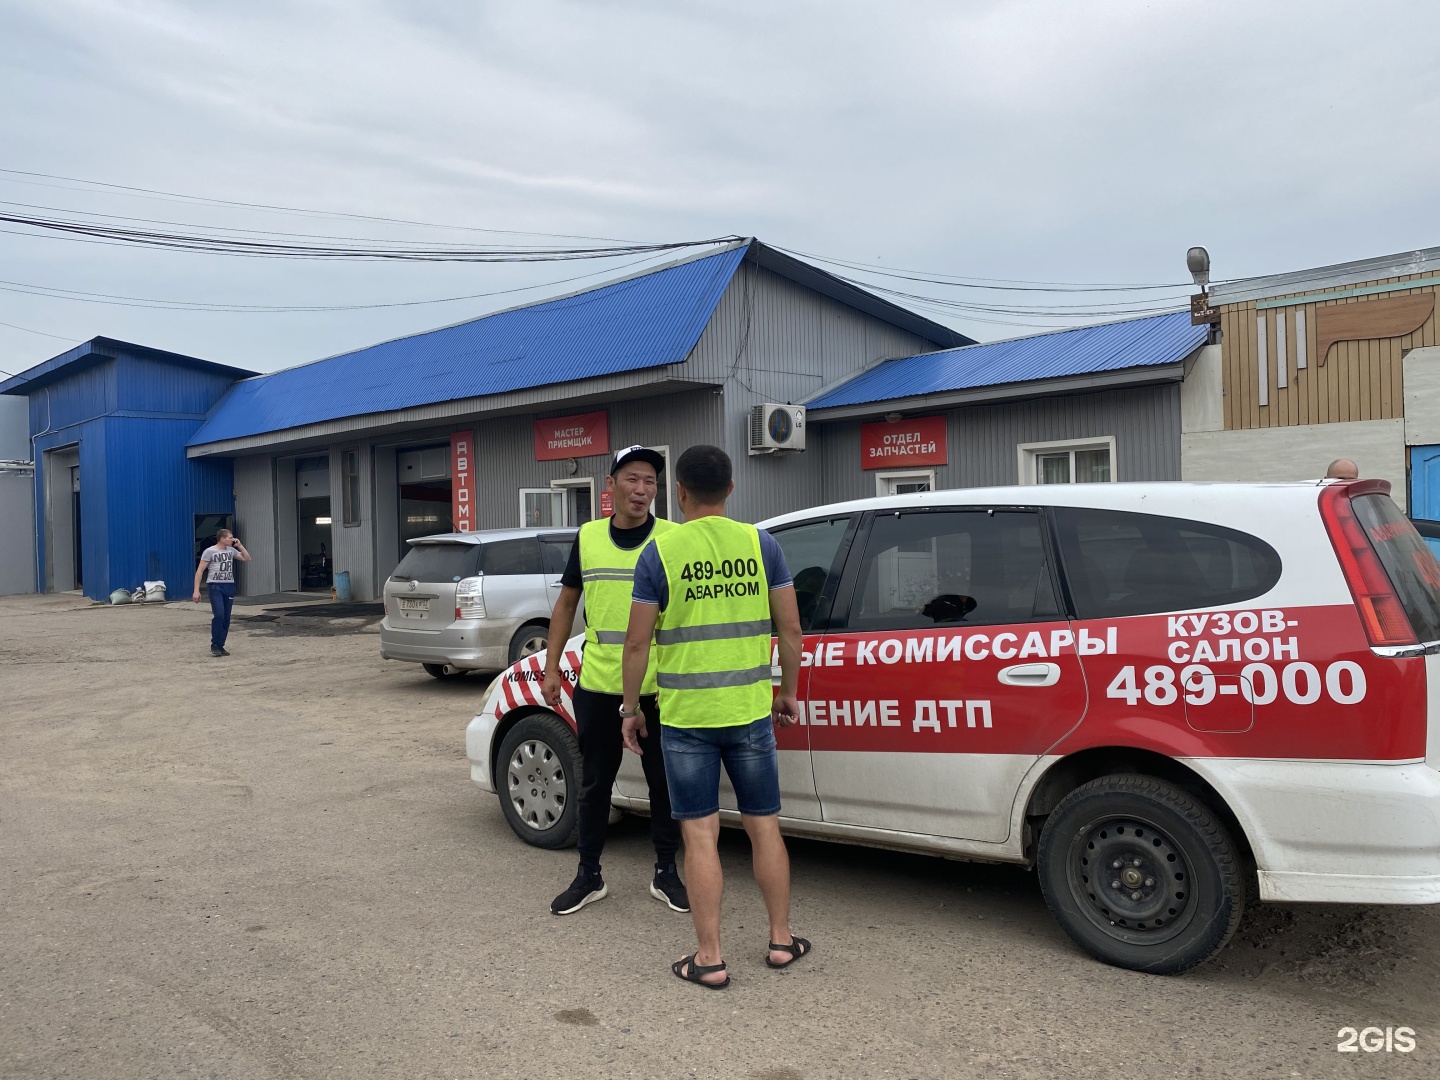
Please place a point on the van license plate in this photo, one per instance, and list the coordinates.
(414, 603)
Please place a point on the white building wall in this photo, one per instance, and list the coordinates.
(1297, 453)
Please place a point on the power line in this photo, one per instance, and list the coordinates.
(156, 303)
(217, 245)
(140, 192)
(42, 333)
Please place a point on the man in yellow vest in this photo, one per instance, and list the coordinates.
(602, 563)
(708, 591)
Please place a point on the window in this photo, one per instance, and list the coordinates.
(1074, 461)
(579, 497)
(504, 558)
(665, 489)
(904, 483)
(810, 551)
(350, 486)
(942, 568)
(542, 508)
(555, 553)
(438, 562)
(1118, 563)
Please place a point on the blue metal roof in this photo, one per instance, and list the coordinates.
(98, 351)
(643, 322)
(1160, 339)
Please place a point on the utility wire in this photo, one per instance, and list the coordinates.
(42, 333)
(140, 192)
(155, 303)
(214, 245)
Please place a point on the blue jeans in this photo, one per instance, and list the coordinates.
(693, 757)
(222, 599)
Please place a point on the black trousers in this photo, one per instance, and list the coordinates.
(597, 718)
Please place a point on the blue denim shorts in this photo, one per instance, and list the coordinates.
(692, 765)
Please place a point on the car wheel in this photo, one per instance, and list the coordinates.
(528, 640)
(437, 671)
(539, 780)
(1141, 875)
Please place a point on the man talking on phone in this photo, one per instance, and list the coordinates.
(709, 591)
(217, 562)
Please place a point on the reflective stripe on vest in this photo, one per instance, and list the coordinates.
(607, 574)
(713, 637)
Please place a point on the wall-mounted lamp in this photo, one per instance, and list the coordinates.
(893, 417)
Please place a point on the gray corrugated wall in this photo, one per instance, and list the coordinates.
(1145, 422)
(773, 340)
(255, 524)
(354, 544)
(17, 533)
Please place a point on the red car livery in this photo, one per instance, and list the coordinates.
(1149, 692)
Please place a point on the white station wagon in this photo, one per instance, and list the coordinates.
(1153, 694)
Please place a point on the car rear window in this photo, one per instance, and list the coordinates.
(438, 562)
(1408, 561)
(508, 557)
(1120, 563)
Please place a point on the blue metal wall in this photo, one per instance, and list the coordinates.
(130, 417)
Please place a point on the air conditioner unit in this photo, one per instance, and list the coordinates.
(776, 427)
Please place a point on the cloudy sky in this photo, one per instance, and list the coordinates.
(1051, 141)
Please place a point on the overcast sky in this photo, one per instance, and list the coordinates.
(1071, 141)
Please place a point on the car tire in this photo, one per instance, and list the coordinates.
(529, 640)
(1141, 875)
(437, 671)
(538, 778)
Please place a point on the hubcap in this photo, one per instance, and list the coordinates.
(531, 645)
(536, 784)
(1131, 880)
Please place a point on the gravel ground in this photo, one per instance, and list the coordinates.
(275, 865)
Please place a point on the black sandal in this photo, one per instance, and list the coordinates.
(797, 948)
(693, 971)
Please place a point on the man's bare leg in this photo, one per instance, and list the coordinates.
(772, 874)
(705, 881)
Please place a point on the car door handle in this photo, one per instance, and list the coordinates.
(1030, 675)
(555, 585)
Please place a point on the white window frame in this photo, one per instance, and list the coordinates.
(1028, 453)
(668, 479)
(565, 486)
(881, 487)
(541, 491)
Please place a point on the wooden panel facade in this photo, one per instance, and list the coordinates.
(1353, 379)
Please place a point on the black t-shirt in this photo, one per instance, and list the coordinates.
(627, 539)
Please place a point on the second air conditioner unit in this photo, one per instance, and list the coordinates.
(776, 427)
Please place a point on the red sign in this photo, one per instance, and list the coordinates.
(572, 436)
(916, 440)
(607, 504)
(462, 480)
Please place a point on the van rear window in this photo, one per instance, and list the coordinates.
(1120, 563)
(1408, 561)
(438, 562)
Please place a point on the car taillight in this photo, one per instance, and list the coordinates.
(1380, 609)
(469, 600)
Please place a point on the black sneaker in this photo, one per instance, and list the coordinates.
(668, 887)
(224, 651)
(217, 652)
(585, 889)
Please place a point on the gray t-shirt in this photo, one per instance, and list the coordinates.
(220, 565)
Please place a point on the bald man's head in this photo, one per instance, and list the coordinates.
(1342, 469)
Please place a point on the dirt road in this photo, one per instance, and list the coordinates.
(275, 865)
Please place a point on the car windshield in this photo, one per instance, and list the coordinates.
(438, 562)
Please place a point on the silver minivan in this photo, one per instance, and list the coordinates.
(479, 601)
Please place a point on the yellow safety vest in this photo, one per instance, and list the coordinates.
(607, 574)
(714, 635)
